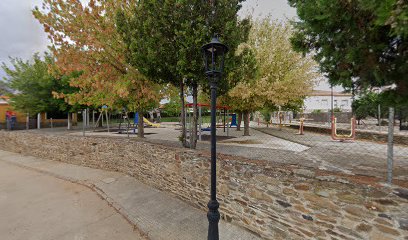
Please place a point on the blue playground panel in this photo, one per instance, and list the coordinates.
(136, 120)
(233, 120)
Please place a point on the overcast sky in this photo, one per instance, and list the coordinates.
(22, 35)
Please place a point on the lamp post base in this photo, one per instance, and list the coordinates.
(213, 218)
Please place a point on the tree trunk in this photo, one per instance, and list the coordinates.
(183, 116)
(246, 123)
(140, 125)
(193, 140)
(100, 120)
(239, 120)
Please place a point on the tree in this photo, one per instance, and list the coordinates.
(366, 105)
(84, 38)
(243, 98)
(271, 73)
(4, 89)
(358, 43)
(34, 86)
(172, 108)
(164, 40)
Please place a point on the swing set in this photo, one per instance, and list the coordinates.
(103, 111)
(225, 120)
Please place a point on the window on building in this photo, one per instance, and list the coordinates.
(325, 103)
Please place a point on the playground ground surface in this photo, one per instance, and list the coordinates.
(281, 146)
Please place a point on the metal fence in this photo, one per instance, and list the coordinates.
(364, 148)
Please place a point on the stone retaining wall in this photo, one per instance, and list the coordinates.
(33, 124)
(276, 202)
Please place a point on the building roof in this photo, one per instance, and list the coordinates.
(4, 99)
(328, 93)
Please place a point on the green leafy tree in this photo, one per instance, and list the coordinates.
(35, 86)
(358, 43)
(84, 38)
(243, 97)
(164, 40)
(4, 89)
(173, 107)
(366, 105)
(368, 102)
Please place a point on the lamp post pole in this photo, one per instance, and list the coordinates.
(213, 214)
(214, 53)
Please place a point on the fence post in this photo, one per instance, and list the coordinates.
(38, 120)
(83, 122)
(69, 121)
(87, 117)
(379, 118)
(28, 121)
(390, 148)
(93, 118)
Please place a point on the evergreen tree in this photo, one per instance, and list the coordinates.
(358, 43)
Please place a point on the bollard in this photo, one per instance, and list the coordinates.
(38, 120)
(301, 126)
(83, 122)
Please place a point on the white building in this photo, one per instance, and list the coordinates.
(321, 100)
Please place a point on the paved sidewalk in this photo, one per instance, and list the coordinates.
(157, 214)
(37, 206)
(351, 157)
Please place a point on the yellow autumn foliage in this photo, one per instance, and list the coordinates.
(280, 75)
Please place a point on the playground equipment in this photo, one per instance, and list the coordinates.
(301, 126)
(136, 121)
(334, 134)
(232, 122)
(124, 120)
(100, 118)
(343, 137)
(283, 118)
(156, 125)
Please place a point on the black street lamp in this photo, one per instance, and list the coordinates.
(214, 54)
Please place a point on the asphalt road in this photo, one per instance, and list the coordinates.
(35, 206)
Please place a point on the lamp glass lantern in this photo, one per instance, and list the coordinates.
(214, 56)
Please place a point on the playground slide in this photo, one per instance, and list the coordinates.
(150, 123)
